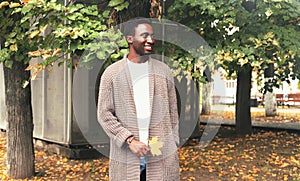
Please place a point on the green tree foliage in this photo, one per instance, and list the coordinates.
(52, 30)
(254, 32)
(247, 35)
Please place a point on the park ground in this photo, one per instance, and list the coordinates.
(267, 154)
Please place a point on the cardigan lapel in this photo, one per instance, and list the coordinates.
(151, 83)
(129, 83)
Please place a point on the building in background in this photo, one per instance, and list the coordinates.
(224, 90)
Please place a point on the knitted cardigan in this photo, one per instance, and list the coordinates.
(117, 115)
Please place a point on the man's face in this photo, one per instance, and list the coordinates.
(143, 39)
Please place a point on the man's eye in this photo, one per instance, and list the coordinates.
(145, 35)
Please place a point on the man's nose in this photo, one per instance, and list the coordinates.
(150, 39)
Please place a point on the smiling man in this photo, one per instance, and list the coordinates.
(137, 103)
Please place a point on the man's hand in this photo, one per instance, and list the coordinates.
(138, 148)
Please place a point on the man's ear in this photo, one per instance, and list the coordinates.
(129, 39)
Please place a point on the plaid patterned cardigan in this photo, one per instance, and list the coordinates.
(117, 115)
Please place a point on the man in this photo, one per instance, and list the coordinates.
(137, 102)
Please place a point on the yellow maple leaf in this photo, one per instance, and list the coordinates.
(43, 28)
(64, 160)
(34, 33)
(13, 47)
(14, 5)
(155, 146)
(2, 4)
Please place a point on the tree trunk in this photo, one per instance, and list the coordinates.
(136, 8)
(243, 115)
(270, 97)
(270, 104)
(20, 151)
(206, 98)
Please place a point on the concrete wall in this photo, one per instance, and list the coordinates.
(53, 115)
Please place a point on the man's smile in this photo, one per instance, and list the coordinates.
(148, 47)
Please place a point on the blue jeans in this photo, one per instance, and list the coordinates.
(142, 163)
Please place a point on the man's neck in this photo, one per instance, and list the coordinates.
(138, 58)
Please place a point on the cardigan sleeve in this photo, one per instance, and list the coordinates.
(106, 112)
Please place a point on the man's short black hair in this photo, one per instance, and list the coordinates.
(130, 25)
